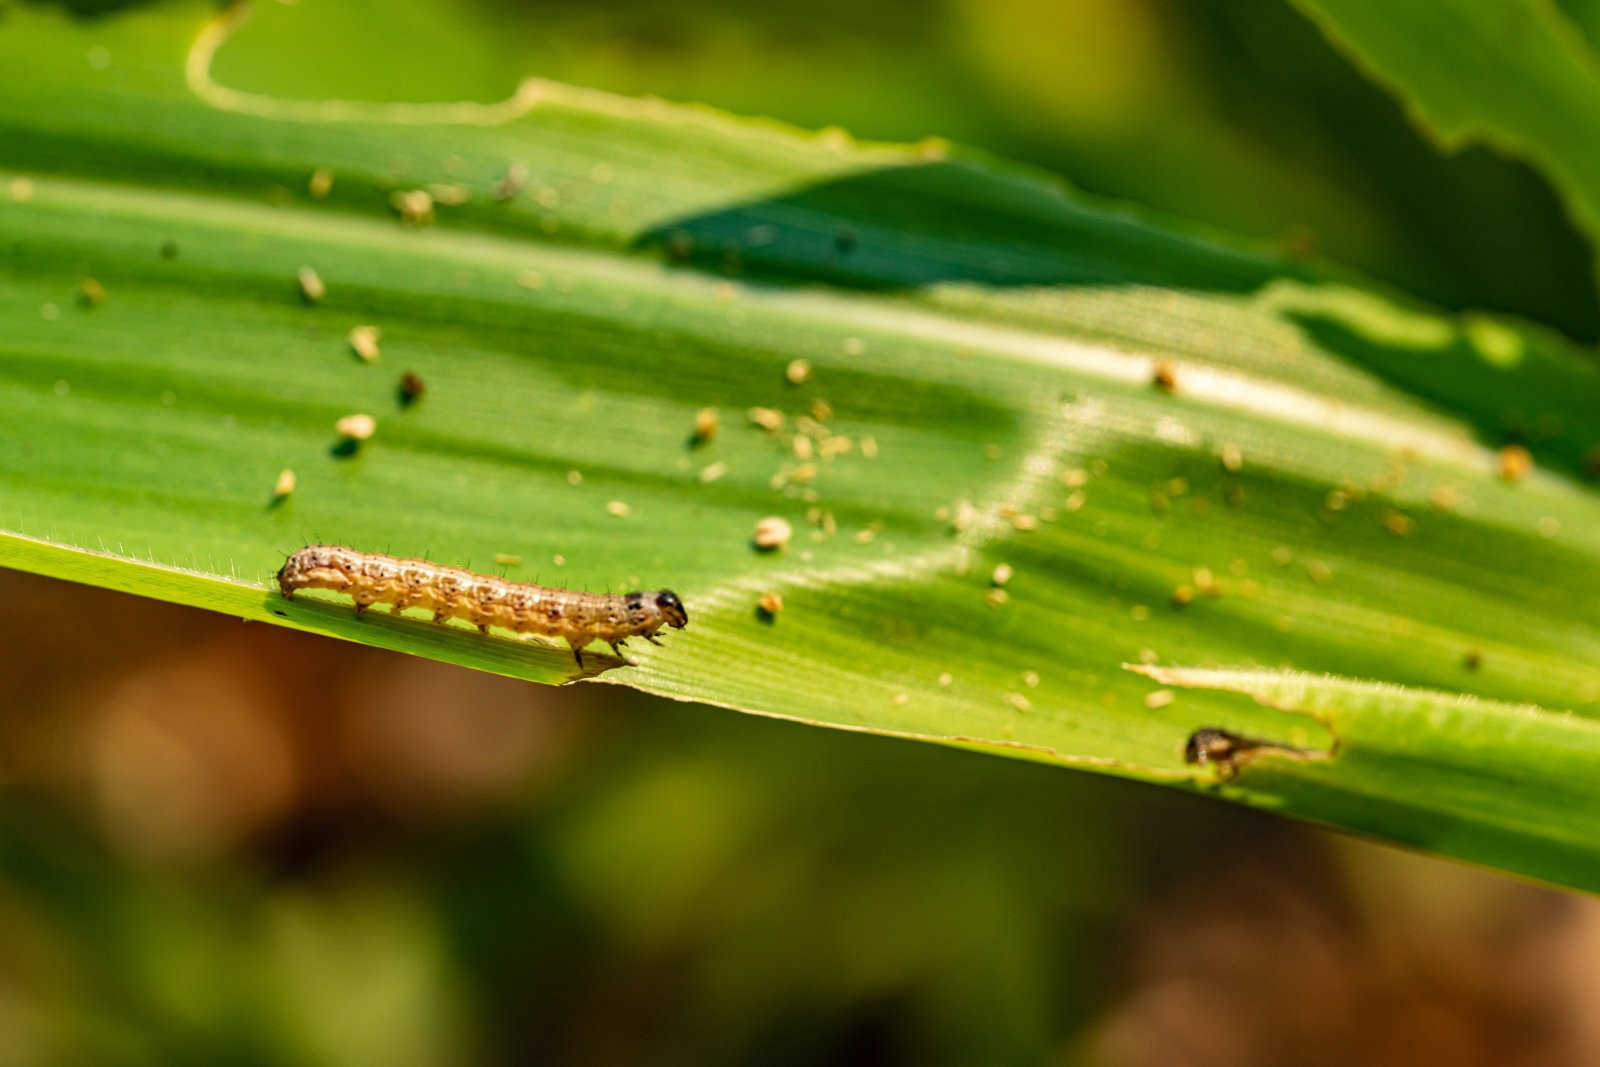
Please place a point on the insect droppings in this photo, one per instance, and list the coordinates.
(705, 425)
(414, 206)
(1514, 462)
(410, 389)
(766, 418)
(1164, 375)
(453, 593)
(772, 534)
(363, 341)
(1159, 698)
(284, 485)
(1399, 523)
(312, 287)
(356, 427)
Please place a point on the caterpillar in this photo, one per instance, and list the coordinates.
(481, 599)
(1229, 752)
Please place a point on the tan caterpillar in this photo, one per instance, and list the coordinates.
(481, 599)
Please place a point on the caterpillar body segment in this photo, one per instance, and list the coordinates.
(484, 600)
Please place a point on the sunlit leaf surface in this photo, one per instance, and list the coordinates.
(995, 505)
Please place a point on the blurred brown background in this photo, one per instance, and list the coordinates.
(224, 842)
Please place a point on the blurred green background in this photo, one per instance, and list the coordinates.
(228, 844)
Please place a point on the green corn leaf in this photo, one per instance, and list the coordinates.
(993, 507)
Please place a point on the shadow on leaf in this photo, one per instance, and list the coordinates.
(907, 226)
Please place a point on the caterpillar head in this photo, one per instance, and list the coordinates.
(671, 609)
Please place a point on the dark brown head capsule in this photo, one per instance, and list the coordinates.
(1211, 745)
(672, 609)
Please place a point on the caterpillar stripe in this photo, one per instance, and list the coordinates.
(481, 599)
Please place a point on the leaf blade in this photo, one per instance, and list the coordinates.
(996, 344)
